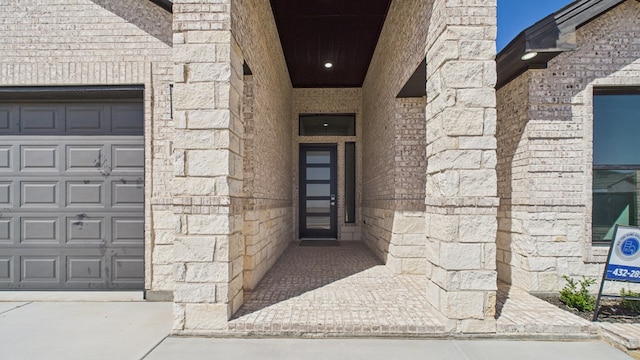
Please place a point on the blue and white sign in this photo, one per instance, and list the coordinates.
(624, 255)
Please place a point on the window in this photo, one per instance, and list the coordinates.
(350, 182)
(616, 160)
(327, 125)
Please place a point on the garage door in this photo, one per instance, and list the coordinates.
(71, 195)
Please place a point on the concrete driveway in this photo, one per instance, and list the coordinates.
(82, 330)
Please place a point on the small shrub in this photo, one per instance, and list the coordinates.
(579, 299)
(632, 305)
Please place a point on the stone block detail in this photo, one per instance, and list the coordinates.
(261, 230)
(398, 238)
(207, 95)
(461, 190)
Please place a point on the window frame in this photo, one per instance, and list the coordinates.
(350, 116)
(608, 91)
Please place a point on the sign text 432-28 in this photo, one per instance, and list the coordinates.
(618, 272)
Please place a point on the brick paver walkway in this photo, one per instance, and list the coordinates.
(341, 290)
(625, 335)
(522, 314)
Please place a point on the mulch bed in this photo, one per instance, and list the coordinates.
(611, 310)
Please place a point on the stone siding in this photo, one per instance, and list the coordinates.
(240, 226)
(459, 216)
(208, 167)
(461, 192)
(549, 225)
(100, 42)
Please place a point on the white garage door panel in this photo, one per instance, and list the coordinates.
(71, 196)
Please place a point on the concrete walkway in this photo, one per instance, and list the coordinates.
(138, 330)
(379, 349)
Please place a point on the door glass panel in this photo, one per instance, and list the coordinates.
(318, 157)
(317, 184)
(319, 222)
(318, 190)
(319, 173)
(318, 206)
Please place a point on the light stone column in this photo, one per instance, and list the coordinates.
(208, 155)
(461, 190)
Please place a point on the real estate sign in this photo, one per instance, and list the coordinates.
(624, 255)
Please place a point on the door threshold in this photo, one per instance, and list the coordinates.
(321, 242)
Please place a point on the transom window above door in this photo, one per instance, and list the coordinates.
(327, 125)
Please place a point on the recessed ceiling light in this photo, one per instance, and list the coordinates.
(529, 55)
(325, 124)
(328, 65)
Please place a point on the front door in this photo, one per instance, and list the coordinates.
(318, 191)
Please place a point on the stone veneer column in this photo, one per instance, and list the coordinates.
(207, 181)
(461, 190)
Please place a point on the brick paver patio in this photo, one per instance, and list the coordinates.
(347, 291)
(337, 290)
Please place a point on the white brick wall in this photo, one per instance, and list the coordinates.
(398, 236)
(545, 141)
(268, 202)
(400, 50)
(393, 170)
(513, 181)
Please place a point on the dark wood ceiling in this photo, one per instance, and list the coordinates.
(343, 32)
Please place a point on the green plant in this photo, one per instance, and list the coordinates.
(633, 305)
(579, 299)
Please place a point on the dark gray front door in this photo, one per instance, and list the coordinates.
(71, 195)
(318, 191)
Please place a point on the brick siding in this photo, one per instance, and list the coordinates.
(100, 42)
(545, 141)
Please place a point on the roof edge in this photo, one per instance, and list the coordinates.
(549, 37)
(165, 4)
